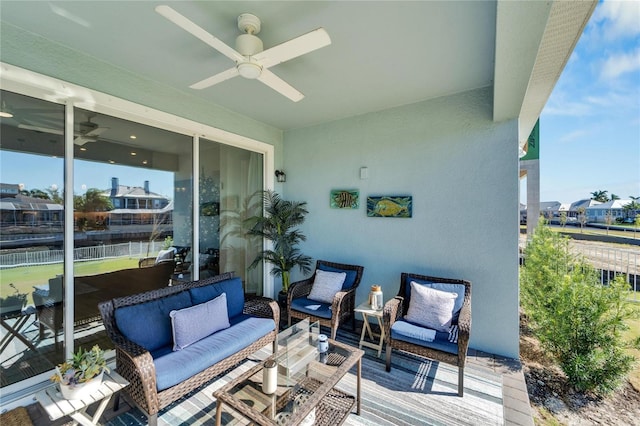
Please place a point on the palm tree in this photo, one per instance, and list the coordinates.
(600, 196)
(613, 197)
(279, 225)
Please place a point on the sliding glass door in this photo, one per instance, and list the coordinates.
(229, 192)
(31, 233)
(133, 223)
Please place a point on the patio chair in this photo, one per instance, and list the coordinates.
(335, 305)
(439, 324)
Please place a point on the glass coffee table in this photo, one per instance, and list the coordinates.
(306, 379)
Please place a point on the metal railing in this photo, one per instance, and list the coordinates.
(102, 251)
(609, 262)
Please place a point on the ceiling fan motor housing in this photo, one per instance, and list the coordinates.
(248, 44)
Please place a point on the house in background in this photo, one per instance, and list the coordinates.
(611, 210)
(580, 207)
(134, 197)
(434, 99)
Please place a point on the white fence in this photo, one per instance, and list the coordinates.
(46, 257)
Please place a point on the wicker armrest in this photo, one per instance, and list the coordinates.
(299, 289)
(340, 301)
(391, 312)
(262, 307)
(464, 328)
(136, 365)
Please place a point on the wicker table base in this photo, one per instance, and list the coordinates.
(311, 399)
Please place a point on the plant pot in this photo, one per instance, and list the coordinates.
(282, 301)
(81, 390)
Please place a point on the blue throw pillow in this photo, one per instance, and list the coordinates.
(191, 324)
(148, 324)
(350, 279)
(233, 288)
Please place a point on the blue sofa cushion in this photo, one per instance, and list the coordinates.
(349, 281)
(148, 324)
(191, 324)
(311, 307)
(451, 288)
(204, 353)
(405, 331)
(233, 288)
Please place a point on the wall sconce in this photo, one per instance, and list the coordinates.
(280, 176)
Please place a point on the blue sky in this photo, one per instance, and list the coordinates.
(40, 172)
(590, 126)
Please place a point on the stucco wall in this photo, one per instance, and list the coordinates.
(462, 171)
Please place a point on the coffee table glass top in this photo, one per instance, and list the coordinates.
(305, 380)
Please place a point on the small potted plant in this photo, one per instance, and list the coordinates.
(81, 375)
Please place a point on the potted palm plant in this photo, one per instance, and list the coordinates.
(279, 225)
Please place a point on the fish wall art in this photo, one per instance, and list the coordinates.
(345, 199)
(390, 206)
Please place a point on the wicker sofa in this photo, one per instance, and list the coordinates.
(145, 340)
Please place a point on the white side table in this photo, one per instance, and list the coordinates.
(367, 313)
(56, 406)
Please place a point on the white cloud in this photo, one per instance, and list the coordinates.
(619, 18)
(616, 65)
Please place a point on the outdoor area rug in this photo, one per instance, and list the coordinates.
(416, 392)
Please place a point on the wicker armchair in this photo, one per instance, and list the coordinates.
(343, 302)
(438, 350)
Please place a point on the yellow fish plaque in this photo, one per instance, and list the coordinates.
(390, 206)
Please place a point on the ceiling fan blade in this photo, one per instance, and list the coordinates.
(280, 86)
(293, 48)
(198, 32)
(41, 129)
(208, 82)
(96, 132)
(81, 140)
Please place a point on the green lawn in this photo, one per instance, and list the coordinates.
(25, 277)
(634, 333)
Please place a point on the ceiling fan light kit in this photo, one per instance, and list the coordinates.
(252, 61)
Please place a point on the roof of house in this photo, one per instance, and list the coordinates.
(132, 192)
(615, 204)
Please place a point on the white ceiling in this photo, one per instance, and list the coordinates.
(383, 53)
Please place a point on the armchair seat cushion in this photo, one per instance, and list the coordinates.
(306, 305)
(415, 334)
(204, 353)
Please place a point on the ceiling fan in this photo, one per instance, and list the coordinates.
(251, 60)
(87, 131)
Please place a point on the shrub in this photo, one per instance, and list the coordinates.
(578, 320)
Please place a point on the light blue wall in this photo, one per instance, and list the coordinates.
(35, 53)
(462, 171)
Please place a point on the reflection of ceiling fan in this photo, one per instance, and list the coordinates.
(86, 131)
(251, 60)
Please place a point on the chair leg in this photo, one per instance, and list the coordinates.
(152, 420)
(388, 368)
(460, 381)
